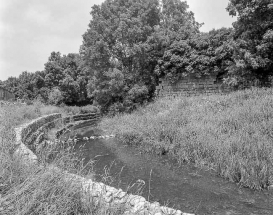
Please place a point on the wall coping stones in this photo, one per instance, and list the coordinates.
(97, 190)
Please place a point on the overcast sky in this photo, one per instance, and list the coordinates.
(31, 29)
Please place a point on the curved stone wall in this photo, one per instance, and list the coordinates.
(81, 117)
(30, 133)
(73, 122)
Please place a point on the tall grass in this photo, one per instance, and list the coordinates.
(230, 134)
(29, 190)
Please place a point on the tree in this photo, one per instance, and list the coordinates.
(25, 87)
(115, 45)
(55, 96)
(200, 54)
(63, 80)
(107, 88)
(253, 56)
(68, 75)
(79, 76)
(129, 36)
(177, 22)
(70, 89)
(12, 84)
(54, 70)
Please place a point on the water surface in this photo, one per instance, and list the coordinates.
(187, 188)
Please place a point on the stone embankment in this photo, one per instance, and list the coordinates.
(192, 86)
(32, 134)
(72, 122)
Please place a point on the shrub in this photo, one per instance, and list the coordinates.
(55, 97)
(89, 109)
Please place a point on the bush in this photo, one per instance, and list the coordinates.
(89, 109)
(55, 97)
(131, 138)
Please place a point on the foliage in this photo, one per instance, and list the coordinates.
(130, 44)
(201, 54)
(89, 109)
(253, 39)
(123, 43)
(55, 97)
(106, 87)
(66, 73)
(63, 80)
(230, 134)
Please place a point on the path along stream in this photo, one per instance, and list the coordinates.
(187, 188)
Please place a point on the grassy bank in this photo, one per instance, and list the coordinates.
(29, 190)
(231, 134)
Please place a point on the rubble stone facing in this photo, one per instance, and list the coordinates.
(73, 122)
(24, 134)
(192, 86)
(81, 117)
(27, 130)
(111, 196)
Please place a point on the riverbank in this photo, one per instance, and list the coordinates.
(159, 178)
(28, 189)
(229, 134)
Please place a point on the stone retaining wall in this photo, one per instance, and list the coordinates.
(192, 86)
(75, 121)
(75, 118)
(96, 190)
(32, 133)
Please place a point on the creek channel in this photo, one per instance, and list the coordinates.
(158, 178)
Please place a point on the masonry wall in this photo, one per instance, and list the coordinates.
(192, 86)
(79, 117)
(32, 134)
(77, 121)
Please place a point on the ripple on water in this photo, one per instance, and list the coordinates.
(187, 188)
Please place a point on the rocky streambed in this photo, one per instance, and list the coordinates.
(160, 179)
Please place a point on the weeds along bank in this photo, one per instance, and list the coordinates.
(231, 134)
(49, 179)
(34, 190)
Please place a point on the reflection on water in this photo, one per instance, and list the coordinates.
(186, 188)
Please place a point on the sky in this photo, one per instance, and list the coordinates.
(31, 29)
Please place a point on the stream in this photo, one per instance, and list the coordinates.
(158, 178)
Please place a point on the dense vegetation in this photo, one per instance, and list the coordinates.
(62, 81)
(229, 134)
(129, 44)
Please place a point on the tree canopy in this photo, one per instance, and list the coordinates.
(253, 51)
(130, 44)
(63, 80)
(124, 41)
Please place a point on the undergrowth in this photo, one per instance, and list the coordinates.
(230, 134)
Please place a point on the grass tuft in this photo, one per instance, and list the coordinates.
(231, 134)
